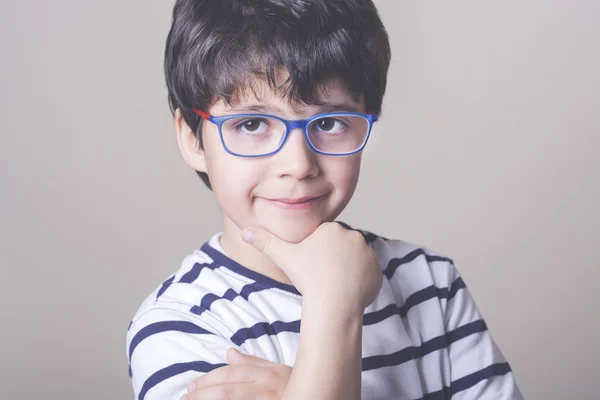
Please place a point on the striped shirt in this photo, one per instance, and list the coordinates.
(423, 336)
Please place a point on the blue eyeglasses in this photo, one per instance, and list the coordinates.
(258, 135)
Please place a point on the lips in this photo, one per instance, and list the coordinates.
(295, 203)
(297, 200)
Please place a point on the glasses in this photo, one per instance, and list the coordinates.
(257, 135)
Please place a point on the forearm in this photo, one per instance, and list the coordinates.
(328, 362)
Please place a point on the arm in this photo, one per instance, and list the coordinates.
(479, 370)
(167, 349)
(328, 362)
(338, 275)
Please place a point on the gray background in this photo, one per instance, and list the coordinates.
(487, 151)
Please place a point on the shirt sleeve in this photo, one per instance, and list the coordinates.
(168, 349)
(479, 370)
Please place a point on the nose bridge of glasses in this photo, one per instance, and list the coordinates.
(296, 124)
(297, 149)
(303, 141)
(290, 125)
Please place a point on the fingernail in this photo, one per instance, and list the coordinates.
(191, 387)
(248, 235)
(184, 398)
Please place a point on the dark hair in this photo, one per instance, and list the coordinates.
(217, 48)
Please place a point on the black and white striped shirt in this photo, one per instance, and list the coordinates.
(423, 336)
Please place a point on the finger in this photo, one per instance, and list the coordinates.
(227, 374)
(229, 391)
(234, 357)
(267, 243)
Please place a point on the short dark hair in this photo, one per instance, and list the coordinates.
(217, 48)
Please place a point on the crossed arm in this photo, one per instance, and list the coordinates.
(328, 359)
(328, 365)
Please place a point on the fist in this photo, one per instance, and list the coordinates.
(334, 265)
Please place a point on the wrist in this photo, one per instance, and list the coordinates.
(328, 308)
(329, 355)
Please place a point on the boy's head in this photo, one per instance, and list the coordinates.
(288, 58)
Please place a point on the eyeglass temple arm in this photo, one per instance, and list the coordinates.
(202, 114)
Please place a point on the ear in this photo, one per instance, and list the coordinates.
(188, 144)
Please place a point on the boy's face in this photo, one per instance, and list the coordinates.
(250, 191)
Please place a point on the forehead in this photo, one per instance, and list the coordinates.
(275, 98)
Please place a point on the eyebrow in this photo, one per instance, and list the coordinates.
(322, 108)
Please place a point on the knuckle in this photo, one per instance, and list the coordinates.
(357, 235)
(339, 227)
(322, 228)
(333, 226)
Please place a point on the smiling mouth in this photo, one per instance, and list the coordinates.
(295, 203)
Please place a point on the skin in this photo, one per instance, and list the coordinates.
(301, 247)
(241, 185)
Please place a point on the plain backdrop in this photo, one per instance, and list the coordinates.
(487, 152)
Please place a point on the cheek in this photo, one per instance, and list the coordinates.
(228, 174)
(343, 173)
(231, 178)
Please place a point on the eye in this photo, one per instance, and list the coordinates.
(330, 125)
(254, 126)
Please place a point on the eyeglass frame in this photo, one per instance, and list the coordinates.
(289, 126)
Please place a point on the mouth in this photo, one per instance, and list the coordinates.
(295, 203)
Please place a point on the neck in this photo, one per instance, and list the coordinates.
(246, 255)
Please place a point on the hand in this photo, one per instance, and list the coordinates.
(245, 378)
(333, 261)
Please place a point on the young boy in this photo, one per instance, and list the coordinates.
(274, 101)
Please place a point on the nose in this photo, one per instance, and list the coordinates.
(296, 158)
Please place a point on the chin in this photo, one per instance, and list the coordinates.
(292, 230)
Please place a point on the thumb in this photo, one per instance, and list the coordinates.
(234, 357)
(267, 243)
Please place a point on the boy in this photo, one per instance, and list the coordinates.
(274, 101)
